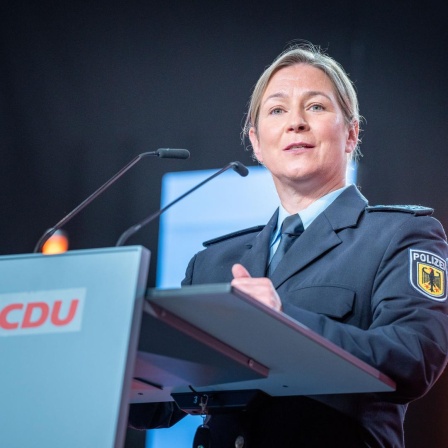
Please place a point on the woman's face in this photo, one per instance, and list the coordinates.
(302, 137)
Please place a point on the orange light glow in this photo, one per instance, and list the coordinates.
(56, 244)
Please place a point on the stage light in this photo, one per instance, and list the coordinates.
(56, 244)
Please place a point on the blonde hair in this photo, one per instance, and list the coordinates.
(314, 56)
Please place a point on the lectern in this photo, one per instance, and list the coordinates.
(80, 339)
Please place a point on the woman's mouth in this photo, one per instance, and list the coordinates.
(299, 145)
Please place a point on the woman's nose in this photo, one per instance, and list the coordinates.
(298, 123)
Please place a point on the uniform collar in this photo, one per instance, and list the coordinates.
(322, 236)
(309, 214)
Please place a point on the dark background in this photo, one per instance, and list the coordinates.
(86, 86)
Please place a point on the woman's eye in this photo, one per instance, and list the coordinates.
(317, 107)
(276, 111)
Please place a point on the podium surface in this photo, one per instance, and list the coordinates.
(285, 357)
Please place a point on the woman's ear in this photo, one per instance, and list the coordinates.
(352, 137)
(253, 137)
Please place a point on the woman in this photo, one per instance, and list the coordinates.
(352, 273)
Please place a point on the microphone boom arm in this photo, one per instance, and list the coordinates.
(161, 152)
(237, 166)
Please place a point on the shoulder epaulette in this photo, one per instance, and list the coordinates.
(417, 210)
(233, 235)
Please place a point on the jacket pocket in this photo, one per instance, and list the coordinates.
(333, 301)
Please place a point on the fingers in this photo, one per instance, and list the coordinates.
(260, 289)
(239, 271)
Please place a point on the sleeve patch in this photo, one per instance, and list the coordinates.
(428, 274)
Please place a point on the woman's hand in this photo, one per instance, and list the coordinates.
(260, 288)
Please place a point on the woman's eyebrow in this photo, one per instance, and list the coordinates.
(308, 94)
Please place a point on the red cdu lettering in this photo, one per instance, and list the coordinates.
(4, 323)
(40, 307)
(41, 312)
(55, 319)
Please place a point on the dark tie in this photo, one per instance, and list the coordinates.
(292, 228)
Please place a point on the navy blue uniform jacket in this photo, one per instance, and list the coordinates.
(370, 279)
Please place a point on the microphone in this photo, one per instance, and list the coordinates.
(163, 153)
(169, 153)
(236, 166)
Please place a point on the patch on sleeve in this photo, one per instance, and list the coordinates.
(428, 274)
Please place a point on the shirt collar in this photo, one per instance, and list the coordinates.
(309, 214)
